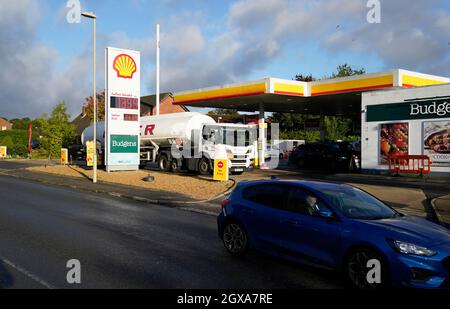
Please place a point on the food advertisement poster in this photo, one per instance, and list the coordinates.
(436, 143)
(394, 140)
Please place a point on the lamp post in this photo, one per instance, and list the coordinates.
(94, 19)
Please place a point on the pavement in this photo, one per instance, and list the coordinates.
(442, 207)
(122, 243)
(423, 197)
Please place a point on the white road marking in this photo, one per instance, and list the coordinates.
(27, 273)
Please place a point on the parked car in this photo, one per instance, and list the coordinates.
(335, 226)
(286, 146)
(330, 155)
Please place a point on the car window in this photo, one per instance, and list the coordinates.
(357, 204)
(270, 195)
(304, 202)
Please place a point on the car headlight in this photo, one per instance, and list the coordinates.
(408, 248)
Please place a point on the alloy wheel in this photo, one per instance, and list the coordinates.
(234, 238)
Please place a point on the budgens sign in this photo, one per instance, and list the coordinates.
(124, 144)
(410, 110)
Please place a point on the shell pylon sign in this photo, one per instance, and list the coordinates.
(122, 109)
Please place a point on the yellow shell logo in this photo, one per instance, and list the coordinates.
(125, 66)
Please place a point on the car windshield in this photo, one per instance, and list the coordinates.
(357, 204)
(229, 135)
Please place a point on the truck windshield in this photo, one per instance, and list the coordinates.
(229, 135)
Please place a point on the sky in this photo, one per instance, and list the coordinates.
(45, 59)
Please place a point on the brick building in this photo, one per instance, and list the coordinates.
(166, 106)
(5, 124)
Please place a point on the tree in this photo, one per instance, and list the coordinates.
(336, 128)
(20, 124)
(292, 126)
(223, 111)
(88, 106)
(304, 78)
(345, 70)
(56, 131)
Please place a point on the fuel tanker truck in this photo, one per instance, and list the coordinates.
(190, 141)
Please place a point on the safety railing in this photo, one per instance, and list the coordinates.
(410, 164)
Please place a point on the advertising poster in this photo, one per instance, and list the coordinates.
(436, 143)
(90, 148)
(64, 156)
(122, 109)
(394, 140)
(3, 152)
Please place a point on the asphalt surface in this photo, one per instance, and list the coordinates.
(125, 244)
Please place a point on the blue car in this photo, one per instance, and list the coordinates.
(336, 226)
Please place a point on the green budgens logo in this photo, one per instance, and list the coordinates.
(124, 144)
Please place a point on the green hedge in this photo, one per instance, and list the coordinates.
(16, 141)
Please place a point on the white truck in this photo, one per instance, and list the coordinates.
(191, 141)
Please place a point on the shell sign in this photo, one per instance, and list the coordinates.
(125, 66)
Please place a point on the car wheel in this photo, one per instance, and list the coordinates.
(163, 163)
(235, 238)
(175, 167)
(204, 166)
(357, 270)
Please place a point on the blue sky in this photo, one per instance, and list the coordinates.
(210, 42)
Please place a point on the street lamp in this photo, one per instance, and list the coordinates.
(94, 18)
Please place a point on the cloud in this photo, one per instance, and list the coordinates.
(29, 82)
(199, 50)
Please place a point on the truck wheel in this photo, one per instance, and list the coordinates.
(175, 166)
(163, 163)
(204, 166)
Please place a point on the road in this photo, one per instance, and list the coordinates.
(125, 244)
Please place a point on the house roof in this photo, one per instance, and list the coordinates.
(150, 100)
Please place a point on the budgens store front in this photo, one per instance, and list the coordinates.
(406, 122)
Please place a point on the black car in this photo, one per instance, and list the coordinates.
(334, 156)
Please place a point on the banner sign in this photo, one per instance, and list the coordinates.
(312, 124)
(123, 82)
(410, 110)
(30, 136)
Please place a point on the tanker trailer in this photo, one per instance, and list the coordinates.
(191, 141)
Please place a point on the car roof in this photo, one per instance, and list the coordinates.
(309, 184)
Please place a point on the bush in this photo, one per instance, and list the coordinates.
(16, 141)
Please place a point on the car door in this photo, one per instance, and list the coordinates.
(306, 235)
(260, 214)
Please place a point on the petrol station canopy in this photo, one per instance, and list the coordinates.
(333, 97)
